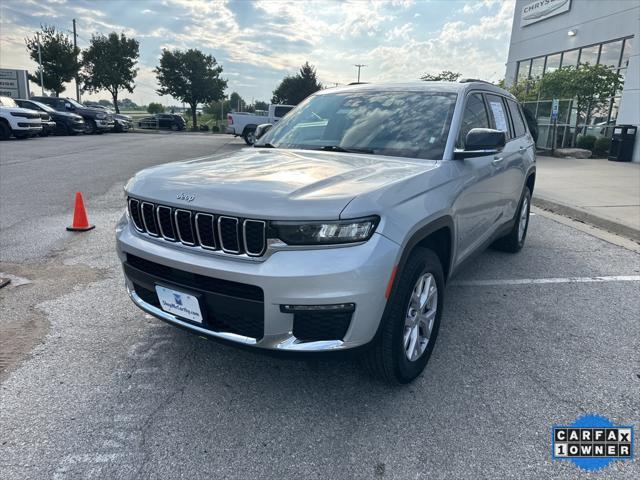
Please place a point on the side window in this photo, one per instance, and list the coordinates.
(518, 122)
(474, 116)
(498, 114)
(281, 111)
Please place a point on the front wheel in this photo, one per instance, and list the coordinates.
(5, 131)
(91, 127)
(249, 136)
(411, 322)
(513, 241)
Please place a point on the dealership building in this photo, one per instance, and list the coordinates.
(550, 34)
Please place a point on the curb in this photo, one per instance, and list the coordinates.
(585, 217)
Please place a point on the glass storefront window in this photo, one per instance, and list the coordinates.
(589, 55)
(626, 52)
(544, 112)
(615, 107)
(523, 70)
(563, 111)
(570, 58)
(610, 54)
(537, 67)
(623, 73)
(553, 63)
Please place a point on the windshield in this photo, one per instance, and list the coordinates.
(44, 107)
(406, 124)
(74, 103)
(8, 102)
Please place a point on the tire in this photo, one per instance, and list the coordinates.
(249, 136)
(91, 126)
(387, 357)
(5, 131)
(514, 240)
(175, 127)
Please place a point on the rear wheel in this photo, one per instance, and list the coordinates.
(5, 131)
(91, 127)
(249, 136)
(514, 240)
(411, 322)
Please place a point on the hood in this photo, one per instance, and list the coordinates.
(32, 113)
(57, 113)
(272, 183)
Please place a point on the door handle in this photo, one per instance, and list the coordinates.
(496, 161)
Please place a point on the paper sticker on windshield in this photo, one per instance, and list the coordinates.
(498, 115)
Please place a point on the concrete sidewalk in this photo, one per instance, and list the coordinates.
(596, 191)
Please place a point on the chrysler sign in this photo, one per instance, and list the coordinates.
(541, 10)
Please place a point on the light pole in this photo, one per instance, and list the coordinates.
(359, 65)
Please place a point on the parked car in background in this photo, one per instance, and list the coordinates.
(122, 123)
(244, 124)
(96, 121)
(49, 125)
(67, 123)
(17, 121)
(165, 121)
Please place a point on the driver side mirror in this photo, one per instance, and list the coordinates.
(262, 129)
(68, 106)
(481, 142)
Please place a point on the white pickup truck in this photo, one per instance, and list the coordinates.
(241, 124)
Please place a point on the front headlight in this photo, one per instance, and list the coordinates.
(325, 233)
(101, 116)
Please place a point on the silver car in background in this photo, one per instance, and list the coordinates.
(340, 229)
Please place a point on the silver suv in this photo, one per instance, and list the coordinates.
(340, 228)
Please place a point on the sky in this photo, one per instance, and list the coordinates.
(259, 42)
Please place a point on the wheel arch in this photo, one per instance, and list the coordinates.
(531, 180)
(250, 126)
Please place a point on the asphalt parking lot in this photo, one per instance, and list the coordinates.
(92, 387)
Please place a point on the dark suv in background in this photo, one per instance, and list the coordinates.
(171, 121)
(95, 121)
(65, 122)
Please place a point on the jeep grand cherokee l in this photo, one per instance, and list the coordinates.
(341, 227)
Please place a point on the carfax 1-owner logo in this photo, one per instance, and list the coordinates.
(592, 442)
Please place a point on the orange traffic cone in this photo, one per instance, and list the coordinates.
(80, 220)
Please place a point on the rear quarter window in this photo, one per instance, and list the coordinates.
(516, 116)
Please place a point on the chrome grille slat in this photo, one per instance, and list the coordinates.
(134, 213)
(226, 235)
(149, 218)
(221, 233)
(206, 237)
(185, 235)
(254, 237)
(163, 210)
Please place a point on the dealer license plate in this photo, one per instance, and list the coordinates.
(179, 303)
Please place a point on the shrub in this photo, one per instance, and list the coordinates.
(215, 129)
(155, 108)
(586, 141)
(601, 146)
(204, 128)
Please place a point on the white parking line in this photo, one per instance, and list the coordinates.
(533, 281)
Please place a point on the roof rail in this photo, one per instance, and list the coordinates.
(469, 80)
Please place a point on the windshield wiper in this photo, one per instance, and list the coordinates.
(265, 145)
(336, 148)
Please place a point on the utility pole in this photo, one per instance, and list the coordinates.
(359, 65)
(75, 47)
(40, 63)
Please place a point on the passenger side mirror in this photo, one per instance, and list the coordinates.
(262, 129)
(481, 142)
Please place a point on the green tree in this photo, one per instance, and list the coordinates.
(590, 87)
(109, 64)
(293, 89)
(127, 104)
(154, 107)
(59, 59)
(105, 103)
(191, 77)
(443, 76)
(260, 105)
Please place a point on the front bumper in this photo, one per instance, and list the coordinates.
(104, 124)
(356, 274)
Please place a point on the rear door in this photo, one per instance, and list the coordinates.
(476, 207)
(508, 164)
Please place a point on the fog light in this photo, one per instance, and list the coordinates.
(335, 308)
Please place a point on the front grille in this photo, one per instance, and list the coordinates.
(226, 306)
(231, 235)
(313, 326)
